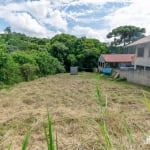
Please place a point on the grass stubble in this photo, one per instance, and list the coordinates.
(120, 117)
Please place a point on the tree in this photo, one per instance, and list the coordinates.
(72, 60)
(124, 35)
(88, 50)
(9, 70)
(60, 51)
(48, 64)
(67, 40)
(7, 30)
(40, 56)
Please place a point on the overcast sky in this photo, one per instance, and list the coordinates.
(90, 18)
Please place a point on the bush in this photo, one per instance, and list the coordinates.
(121, 79)
(21, 57)
(23, 66)
(48, 64)
(29, 71)
(9, 72)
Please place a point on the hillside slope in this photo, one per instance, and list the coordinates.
(72, 102)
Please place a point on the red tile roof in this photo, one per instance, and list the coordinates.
(118, 57)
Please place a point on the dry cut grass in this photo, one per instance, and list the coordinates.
(72, 102)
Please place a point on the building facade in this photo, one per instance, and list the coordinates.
(141, 48)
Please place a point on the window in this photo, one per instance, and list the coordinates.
(138, 67)
(132, 50)
(100, 64)
(147, 68)
(140, 52)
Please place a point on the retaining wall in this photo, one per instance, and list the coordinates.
(136, 76)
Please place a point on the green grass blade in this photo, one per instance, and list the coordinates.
(9, 146)
(129, 133)
(26, 141)
(102, 104)
(46, 136)
(105, 135)
(50, 132)
(146, 102)
(100, 99)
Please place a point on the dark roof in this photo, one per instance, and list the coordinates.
(140, 41)
(118, 57)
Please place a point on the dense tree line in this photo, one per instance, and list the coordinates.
(24, 58)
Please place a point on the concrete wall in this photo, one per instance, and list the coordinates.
(143, 61)
(135, 76)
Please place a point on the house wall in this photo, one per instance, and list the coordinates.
(124, 64)
(143, 61)
(101, 59)
(136, 76)
(129, 50)
(101, 63)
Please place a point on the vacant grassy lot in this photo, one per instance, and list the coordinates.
(72, 102)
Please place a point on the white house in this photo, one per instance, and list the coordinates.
(142, 50)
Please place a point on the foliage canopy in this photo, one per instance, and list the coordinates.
(124, 35)
(24, 58)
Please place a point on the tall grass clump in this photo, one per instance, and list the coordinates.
(102, 125)
(146, 102)
(101, 102)
(9, 147)
(26, 141)
(129, 134)
(105, 135)
(49, 134)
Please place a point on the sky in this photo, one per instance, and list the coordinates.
(90, 18)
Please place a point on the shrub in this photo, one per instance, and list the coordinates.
(9, 72)
(48, 64)
(121, 79)
(19, 66)
(29, 71)
(21, 57)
